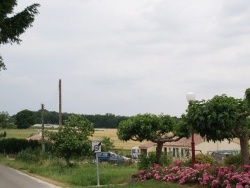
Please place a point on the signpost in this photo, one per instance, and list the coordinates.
(96, 148)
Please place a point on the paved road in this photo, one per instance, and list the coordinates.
(11, 178)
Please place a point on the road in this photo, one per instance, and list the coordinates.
(10, 178)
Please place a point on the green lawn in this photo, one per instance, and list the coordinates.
(19, 133)
(146, 184)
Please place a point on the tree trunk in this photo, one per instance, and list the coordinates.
(158, 152)
(244, 150)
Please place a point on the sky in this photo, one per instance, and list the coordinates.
(127, 57)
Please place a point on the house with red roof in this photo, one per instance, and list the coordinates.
(182, 149)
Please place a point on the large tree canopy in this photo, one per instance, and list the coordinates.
(222, 117)
(24, 119)
(72, 138)
(158, 129)
(12, 25)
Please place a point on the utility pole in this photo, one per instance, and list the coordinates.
(60, 103)
(43, 145)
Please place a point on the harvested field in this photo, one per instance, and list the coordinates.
(111, 133)
(98, 135)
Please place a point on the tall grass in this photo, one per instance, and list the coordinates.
(84, 174)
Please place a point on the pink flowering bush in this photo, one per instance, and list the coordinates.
(204, 174)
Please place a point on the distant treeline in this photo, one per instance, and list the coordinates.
(26, 118)
(105, 121)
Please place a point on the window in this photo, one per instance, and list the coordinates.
(177, 152)
(165, 150)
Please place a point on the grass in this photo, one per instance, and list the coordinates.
(84, 174)
(78, 175)
(19, 133)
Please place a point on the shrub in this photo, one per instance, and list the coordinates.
(107, 144)
(233, 160)
(3, 134)
(14, 145)
(200, 159)
(30, 155)
(146, 161)
(203, 174)
(204, 159)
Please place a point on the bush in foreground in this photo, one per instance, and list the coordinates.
(233, 160)
(146, 161)
(203, 174)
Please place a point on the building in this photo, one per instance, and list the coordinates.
(182, 149)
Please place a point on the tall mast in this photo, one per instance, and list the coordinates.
(60, 103)
(43, 145)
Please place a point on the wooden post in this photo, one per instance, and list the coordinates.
(60, 103)
(43, 145)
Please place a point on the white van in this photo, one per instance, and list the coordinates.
(135, 152)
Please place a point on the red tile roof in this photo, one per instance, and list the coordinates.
(147, 145)
(184, 142)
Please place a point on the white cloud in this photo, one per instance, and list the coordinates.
(128, 57)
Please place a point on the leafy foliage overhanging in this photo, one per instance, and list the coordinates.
(222, 117)
(12, 25)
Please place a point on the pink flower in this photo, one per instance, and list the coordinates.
(204, 174)
(215, 183)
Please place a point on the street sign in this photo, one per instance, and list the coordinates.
(96, 146)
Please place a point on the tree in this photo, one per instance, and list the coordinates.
(221, 118)
(12, 27)
(72, 138)
(24, 119)
(4, 134)
(105, 121)
(2, 65)
(4, 119)
(107, 144)
(150, 127)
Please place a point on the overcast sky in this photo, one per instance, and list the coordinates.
(127, 56)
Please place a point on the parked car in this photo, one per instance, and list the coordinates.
(118, 159)
(105, 156)
(219, 155)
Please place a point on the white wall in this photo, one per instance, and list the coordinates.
(214, 146)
